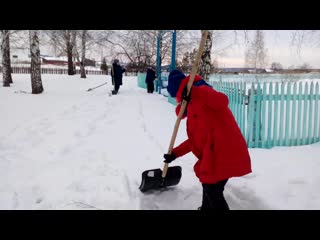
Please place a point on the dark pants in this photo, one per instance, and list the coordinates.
(150, 87)
(212, 196)
(116, 88)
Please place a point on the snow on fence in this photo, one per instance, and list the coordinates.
(275, 114)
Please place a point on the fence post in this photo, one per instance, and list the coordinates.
(316, 136)
(263, 113)
(299, 134)
(288, 119)
(281, 120)
(243, 108)
(310, 125)
(238, 103)
(257, 116)
(275, 122)
(251, 107)
(270, 113)
(293, 117)
(305, 105)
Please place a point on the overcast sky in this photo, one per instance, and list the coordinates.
(277, 43)
(279, 49)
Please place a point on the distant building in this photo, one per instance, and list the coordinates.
(267, 70)
(54, 60)
(19, 56)
(243, 70)
(64, 61)
(165, 68)
(89, 62)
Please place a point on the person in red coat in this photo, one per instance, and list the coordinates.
(213, 137)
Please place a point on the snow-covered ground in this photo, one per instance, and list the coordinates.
(68, 148)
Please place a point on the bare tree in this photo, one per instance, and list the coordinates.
(276, 66)
(300, 38)
(104, 66)
(83, 35)
(305, 66)
(83, 53)
(75, 52)
(187, 61)
(215, 38)
(184, 65)
(307, 38)
(63, 43)
(256, 53)
(291, 67)
(6, 63)
(205, 63)
(215, 64)
(139, 47)
(86, 38)
(70, 38)
(36, 82)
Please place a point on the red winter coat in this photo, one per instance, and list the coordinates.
(213, 135)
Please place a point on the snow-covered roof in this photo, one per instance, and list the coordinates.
(55, 58)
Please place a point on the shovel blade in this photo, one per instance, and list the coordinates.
(152, 179)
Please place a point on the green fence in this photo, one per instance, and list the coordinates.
(172, 100)
(271, 113)
(141, 83)
(142, 80)
(275, 114)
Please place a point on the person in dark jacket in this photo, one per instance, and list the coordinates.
(213, 137)
(116, 75)
(151, 76)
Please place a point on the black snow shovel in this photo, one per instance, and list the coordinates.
(170, 176)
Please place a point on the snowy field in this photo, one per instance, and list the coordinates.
(72, 149)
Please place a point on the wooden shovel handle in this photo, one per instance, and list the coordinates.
(184, 103)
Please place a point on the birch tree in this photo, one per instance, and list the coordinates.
(205, 63)
(256, 53)
(62, 42)
(6, 63)
(36, 82)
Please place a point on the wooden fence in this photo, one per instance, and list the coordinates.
(275, 114)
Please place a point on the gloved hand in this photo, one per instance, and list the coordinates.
(184, 94)
(169, 157)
